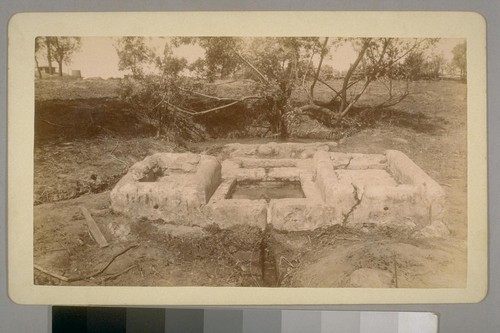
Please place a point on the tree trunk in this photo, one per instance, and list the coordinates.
(38, 68)
(49, 54)
(349, 73)
(283, 127)
(318, 70)
(60, 68)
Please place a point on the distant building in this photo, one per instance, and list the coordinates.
(46, 70)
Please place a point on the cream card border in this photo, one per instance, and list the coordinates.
(23, 28)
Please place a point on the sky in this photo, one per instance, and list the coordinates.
(98, 58)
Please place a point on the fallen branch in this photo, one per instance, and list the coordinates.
(113, 276)
(208, 96)
(114, 257)
(197, 113)
(55, 275)
(112, 151)
(80, 278)
(314, 107)
(222, 83)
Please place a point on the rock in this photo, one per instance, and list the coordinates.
(436, 229)
(371, 278)
(308, 153)
(120, 231)
(365, 230)
(323, 148)
(265, 150)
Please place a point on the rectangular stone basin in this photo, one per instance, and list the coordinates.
(267, 190)
(293, 194)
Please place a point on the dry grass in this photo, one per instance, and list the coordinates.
(75, 88)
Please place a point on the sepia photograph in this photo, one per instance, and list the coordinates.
(262, 162)
(315, 162)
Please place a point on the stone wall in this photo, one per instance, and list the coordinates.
(168, 186)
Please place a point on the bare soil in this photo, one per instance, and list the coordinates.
(85, 143)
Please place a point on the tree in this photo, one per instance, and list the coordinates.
(414, 65)
(198, 68)
(274, 61)
(39, 44)
(460, 59)
(328, 72)
(280, 65)
(436, 65)
(133, 54)
(377, 59)
(62, 48)
(48, 46)
(170, 65)
(155, 87)
(219, 60)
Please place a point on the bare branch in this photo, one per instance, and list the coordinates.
(208, 96)
(198, 113)
(351, 70)
(309, 63)
(222, 83)
(262, 76)
(159, 103)
(392, 101)
(316, 76)
(329, 86)
(80, 278)
(338, 93)
(344, 112)
(395, 61)
(317, 108)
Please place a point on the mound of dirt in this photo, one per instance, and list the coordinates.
(428, 264)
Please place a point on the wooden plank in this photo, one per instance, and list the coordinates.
(94, 229)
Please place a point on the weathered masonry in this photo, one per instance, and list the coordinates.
(292, 186)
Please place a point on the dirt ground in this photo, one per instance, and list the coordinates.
(84, 146)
